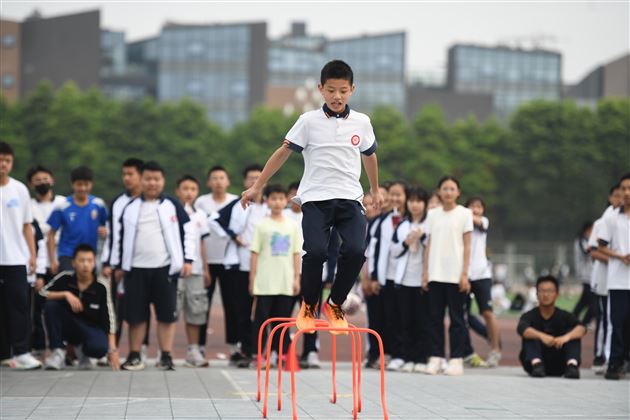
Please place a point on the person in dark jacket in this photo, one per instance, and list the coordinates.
(79, 311)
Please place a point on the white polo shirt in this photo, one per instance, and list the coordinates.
(479, 267)
(15, 212)
(331, 145)
(616, 233)
(215, 245)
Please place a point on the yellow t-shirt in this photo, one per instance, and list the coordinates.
(276, 243)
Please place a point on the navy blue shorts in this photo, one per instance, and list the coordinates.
(482, 291)
(145, 286)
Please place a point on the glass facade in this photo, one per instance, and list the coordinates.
(291, 66)
(512, 76)
(378, 63)
(113, 54)
(209, 64)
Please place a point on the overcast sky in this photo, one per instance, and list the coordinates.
(587, 33)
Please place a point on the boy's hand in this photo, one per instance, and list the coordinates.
(247, 196)
(106, 271)
(377, 199)
(376, 288)
(54, 267)
(102, 231)
(39, 283)
(114, 360)
(207, 278)
(464, 284)
(74, 302)
(118, 275)
(186, 270)
(296, 286)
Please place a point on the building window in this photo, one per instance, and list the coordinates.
(8, 81)
(8, 40)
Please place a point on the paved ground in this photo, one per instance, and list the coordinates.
(221, 392)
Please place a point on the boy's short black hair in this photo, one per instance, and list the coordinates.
(337, 69)
(548, 278)
(275, 188)
(153, 166)
(215, 168)
(36, 169)
(293, 186)
(624, 177)
(6, 149)
(187, 177)
(448, 178)
(475, 199)
(133, 163)
(251, 168)
(83, 248)
(82, 173)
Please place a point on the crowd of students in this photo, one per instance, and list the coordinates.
(426, 254)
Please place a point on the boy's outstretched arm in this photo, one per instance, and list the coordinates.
(371, 169)
(274, 163)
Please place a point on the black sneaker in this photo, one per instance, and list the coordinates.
(614, 372)
(166, 362)
(133, 362)
(572, 372)
(235, 358)
(373, 364)
(245, 362)
(538, 370)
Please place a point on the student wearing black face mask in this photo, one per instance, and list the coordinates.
(41, 181)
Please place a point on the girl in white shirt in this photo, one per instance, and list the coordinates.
(408, 245)
(446, 262)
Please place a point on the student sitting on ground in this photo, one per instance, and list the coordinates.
(551, 336)
(79, 311)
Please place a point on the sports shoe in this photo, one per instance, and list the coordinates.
(373, 363)
(7, 362)
(195, 359)
(538, 370)
(599, 365)
(166, 362)
(407, 367)
(56, 360)
(38, 354)
(84, 362)
(614, 372)
(245, 362)
(455, 367)
(335, 316)
(493, 359)
(102, 362)
(236, 357)
(395, 364)
(306, 317)
(475, 361)
(572, 372)
(312, 360)
(420, 368)
(434, 366)
(26, 361)
(133, 362)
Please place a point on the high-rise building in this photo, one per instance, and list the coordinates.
(60, 49)
(223, 67)
(608, 80)
(512, 76)
(10, 45)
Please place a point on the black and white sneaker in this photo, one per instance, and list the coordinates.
(133, 362)
(235, 358)
(614, 372)
(166, 362)
(572, 372)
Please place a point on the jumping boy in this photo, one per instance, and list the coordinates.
(332, 139)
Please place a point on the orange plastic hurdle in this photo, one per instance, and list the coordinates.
(355, 410)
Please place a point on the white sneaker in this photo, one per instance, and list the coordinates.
(56, 360)
(395, 364)
(455, 367)
(313, 360)
(420, 368)
(407, 367)
(26, 362)
(493, 359)
(84, 361)
(434, 366)
(195, 359)
(103, 362)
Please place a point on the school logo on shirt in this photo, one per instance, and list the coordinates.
(355, 140)
(280, 244)
(13, 203)
(72, 215)
(94, 214)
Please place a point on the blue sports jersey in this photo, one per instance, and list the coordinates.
(79, 225)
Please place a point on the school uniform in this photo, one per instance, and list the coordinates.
(215, 255)
(330, 194)
(153, 243)
(599, 285)
(615, 233)
(232, 221)
(411, 298)
(583, 268)
(445, 266)
(15, 212)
